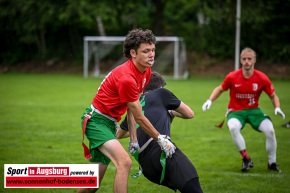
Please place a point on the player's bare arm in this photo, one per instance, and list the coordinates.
(216, 93)
(275, 100)
(133, 144)
(120, 134)
(167, 146)
(131, 126)
(183, 111)
(276, 103)
(136, 110)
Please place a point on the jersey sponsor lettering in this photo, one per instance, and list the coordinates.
(245, 96)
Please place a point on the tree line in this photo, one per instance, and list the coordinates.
(42, 30)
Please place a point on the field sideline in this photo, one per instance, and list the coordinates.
(40, 124)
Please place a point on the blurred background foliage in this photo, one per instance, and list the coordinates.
(52, 29)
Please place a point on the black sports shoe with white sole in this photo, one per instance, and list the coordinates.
(287, 125)
(247, 164)
(274, 167)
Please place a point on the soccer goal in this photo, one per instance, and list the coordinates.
(103, 53)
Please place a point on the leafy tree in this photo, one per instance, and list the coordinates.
(54, 29)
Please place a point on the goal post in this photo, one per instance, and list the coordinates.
(170, 59)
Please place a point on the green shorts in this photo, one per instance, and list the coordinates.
(99, 129)
(252, 116)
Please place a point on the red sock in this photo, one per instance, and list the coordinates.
(244, 154)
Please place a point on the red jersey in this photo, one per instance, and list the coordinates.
(123, 84)
(245, 92)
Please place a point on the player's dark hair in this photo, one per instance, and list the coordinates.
(156, 81)
(134, 38)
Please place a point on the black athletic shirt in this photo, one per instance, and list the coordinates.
(179, 169)
(155, 105)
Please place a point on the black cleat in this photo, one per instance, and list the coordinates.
(273, 167)
(287, 125)
(247, 164)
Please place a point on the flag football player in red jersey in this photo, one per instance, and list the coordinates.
(246, 86)
(117, 94)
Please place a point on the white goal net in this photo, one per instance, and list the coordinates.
(103, 53)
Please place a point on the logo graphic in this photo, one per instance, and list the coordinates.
(144, 81)
(238, 85)
(255, 86)
(51, 176)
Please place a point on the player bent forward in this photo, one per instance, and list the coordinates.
(119, 92)
(246, 86)
(160, 106)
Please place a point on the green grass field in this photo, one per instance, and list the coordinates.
(40, 124)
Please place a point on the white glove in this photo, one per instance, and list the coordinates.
(166, 146)
(279, 111)
(170, 113)
(133, 146)
(206, 105)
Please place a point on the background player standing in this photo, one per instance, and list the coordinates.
(246, 86)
